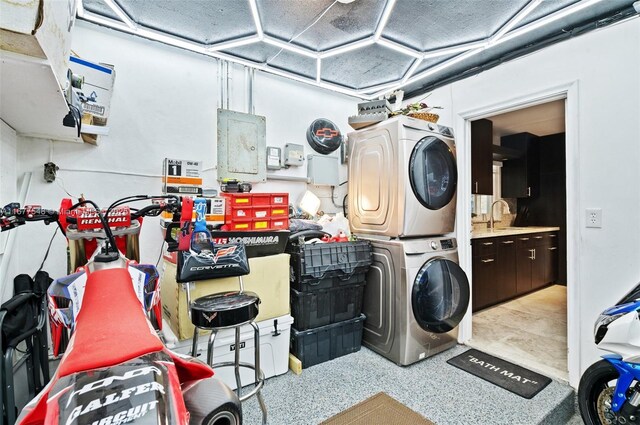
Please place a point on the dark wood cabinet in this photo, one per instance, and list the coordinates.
(509, 266)
(482, 157)
(521, 176)
(485, 266)
(552, 257)
(524, 263)
(506, 273)
(484, 284)
(540, 262)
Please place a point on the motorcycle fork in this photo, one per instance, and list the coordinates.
(628, 373)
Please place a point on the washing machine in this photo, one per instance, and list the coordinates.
(402, 179)
(414, 299)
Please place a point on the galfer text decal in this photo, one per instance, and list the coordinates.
(128, 394)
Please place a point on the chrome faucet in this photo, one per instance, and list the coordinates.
(491, 223)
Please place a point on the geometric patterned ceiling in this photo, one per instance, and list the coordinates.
(363, 48)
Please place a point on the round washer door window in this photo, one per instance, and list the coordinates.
(433, 173)
(440, 295)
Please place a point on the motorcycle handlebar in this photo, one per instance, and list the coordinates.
(13, 215)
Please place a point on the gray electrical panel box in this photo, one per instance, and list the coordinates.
(322, 170)
(242, 146)
(293, 155)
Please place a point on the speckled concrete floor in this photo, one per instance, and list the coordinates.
(530, 331)
(442, 393)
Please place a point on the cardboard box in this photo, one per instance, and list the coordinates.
(269, 278)
(95, 94)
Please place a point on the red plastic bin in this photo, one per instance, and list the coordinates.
(261, 199)
(280, 223)
(279, 211)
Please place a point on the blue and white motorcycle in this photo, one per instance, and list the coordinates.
(609, 391)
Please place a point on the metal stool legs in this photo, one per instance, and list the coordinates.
(212, 340)
(258, 377)
(236, 362)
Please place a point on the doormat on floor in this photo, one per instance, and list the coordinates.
(378, 410)
(511, 377)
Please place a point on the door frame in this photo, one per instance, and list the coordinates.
(568, 91)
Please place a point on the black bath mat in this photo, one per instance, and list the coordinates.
(502, 373)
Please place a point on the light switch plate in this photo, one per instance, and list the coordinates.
(594, 217)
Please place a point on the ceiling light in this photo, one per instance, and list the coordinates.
(562, 13)
(431, 71)
(194, 47)
(290, 47)
(347, 48)
(118, 11)
(515, 20)
(398, 47)
(225, 45)
(385, 17)
(411, 70)
(346, 1)
(454, 49)
(256, 17)
(80, 9)
(318, 69)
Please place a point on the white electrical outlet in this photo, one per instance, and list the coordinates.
(594, 217)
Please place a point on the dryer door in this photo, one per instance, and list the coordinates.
(440, 295)
(433, 173)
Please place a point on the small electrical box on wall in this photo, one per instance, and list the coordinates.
(273, 158)
(293, 155)
(322, 170)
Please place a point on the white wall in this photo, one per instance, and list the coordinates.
(8, 192)
(164, 105)
(606, 66)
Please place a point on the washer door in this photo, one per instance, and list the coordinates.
(433, 173)
(440, 295)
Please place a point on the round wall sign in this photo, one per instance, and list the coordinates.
(323, 136)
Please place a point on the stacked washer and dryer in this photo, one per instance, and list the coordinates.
(402, 197)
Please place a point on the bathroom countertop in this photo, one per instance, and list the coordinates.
(510, 231)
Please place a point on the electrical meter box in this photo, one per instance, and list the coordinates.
(242, 146)
(322, 170)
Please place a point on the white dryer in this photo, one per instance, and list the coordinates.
(402, 179)
(415, 297)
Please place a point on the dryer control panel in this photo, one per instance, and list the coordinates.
(447, 243)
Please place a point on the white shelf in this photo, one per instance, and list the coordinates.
(32, 101)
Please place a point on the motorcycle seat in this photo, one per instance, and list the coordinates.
(111, 326)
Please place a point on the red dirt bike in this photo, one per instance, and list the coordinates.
(115, 369)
